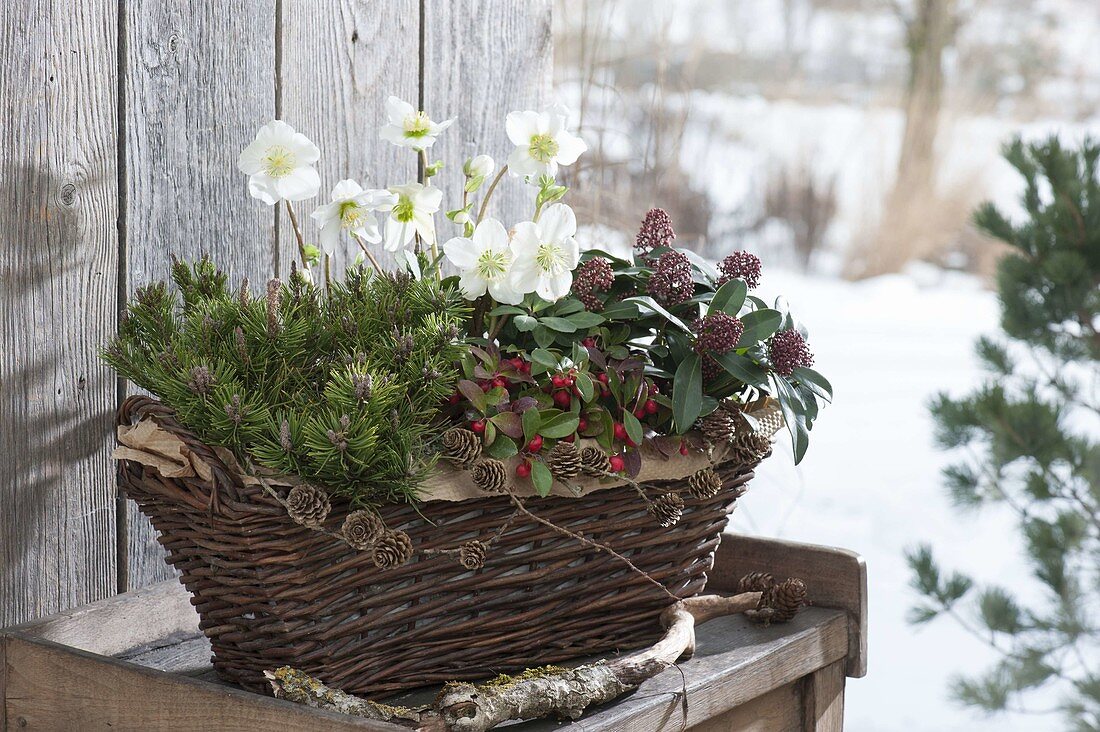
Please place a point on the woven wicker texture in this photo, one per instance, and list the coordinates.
(270, 592)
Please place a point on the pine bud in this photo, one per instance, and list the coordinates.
(201, 381)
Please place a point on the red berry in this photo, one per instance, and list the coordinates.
(605, 392)
(562, 398)
(617, 463)
(653, 389)
(454, 398)
(523, 470)
(535, 444)
(602, 378)
(651, 406)
(582, 425)
(589, 342)
(558, 381)
(485, 384)
(500, 382)
(478, 426)
(620, 431)
(640, 412)
(517, 363)
(568, 438)
(525, 368)
(683, 448)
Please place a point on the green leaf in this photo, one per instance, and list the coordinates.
(651, 304)
(759, 325)
(544, 336)
(544, 358)
(507, 310)
(621, 310)
(585, 386)
(633, 427)
(560, 426)
(585, 319)
(490, 433)
(818, 383)
(502, 448)
(687, 393)
(525, 323)
(532, 420)
(730, 297)
(568, 306)
(473, 394)
(791, 405)
(743, 369)
(509, 423)
(559, 324)
(541, 477)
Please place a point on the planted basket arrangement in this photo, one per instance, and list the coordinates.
(390, 479)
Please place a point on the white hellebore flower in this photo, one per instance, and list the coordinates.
(352, 210)
(279, 163)
(546, 253)
(542, 142)
(411, 213)
(484, 261)
(479, 166)
(409, 127)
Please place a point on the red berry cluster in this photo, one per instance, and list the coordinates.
(718, 332)
(787, 350)
(671, 282)
(592, 277)
(740, 265)
(656, 232)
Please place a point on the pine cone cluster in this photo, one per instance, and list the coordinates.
(564, 461)
(308, 505)
(490, 475)
(668, 509)
(750, 447)
(718, 426)
(461, 446)
(361, 528)
(704, 483)
(472, 554)
(779, 602)
(595, 461)
(391, 549)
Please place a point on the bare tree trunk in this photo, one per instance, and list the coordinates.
(928, 34)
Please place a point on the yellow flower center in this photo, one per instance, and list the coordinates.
(550, 258)
(351, 215)
(404, 210)
(543, 148)
(279, 162)
(417, 124)
(492, 265)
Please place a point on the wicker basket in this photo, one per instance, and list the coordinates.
(270, 592)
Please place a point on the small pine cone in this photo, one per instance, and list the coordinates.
(595, 461)
(756, 582)
(392, 549)
(308, 505)
(472, 555)
(704, 483)
(718, 426)
(361, 528)
(490, 475)
(461, 446)
(667, 509)
(750, 447)
(565, 461)
(785, 599)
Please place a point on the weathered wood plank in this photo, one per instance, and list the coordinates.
(482, 60)
(835, 578)
(200, 80)
(823, 700)
(50, 687)
(776, 711)
(58, 280)
(340, 60)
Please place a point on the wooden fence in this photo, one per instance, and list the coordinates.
(120, 125)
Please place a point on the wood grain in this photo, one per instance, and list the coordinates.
(777, 711)
(199, 81)
(834, 578)
(58, 282)
(50, 687)
(823, 700)
(340, 60)
(482, 60)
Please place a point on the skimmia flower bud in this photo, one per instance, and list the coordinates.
(740, 265)
(592, 277)
(671, 282)
(718, 332)
(787, 351)
(656, 232)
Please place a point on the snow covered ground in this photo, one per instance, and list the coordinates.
(870, 481)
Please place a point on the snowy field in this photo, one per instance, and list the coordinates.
(870, 481)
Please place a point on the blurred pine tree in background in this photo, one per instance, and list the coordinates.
(1029, 437)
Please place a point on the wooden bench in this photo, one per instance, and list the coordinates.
(137, 661)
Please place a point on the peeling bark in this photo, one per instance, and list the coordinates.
(545, 692)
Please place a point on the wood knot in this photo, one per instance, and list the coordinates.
(68, 194)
